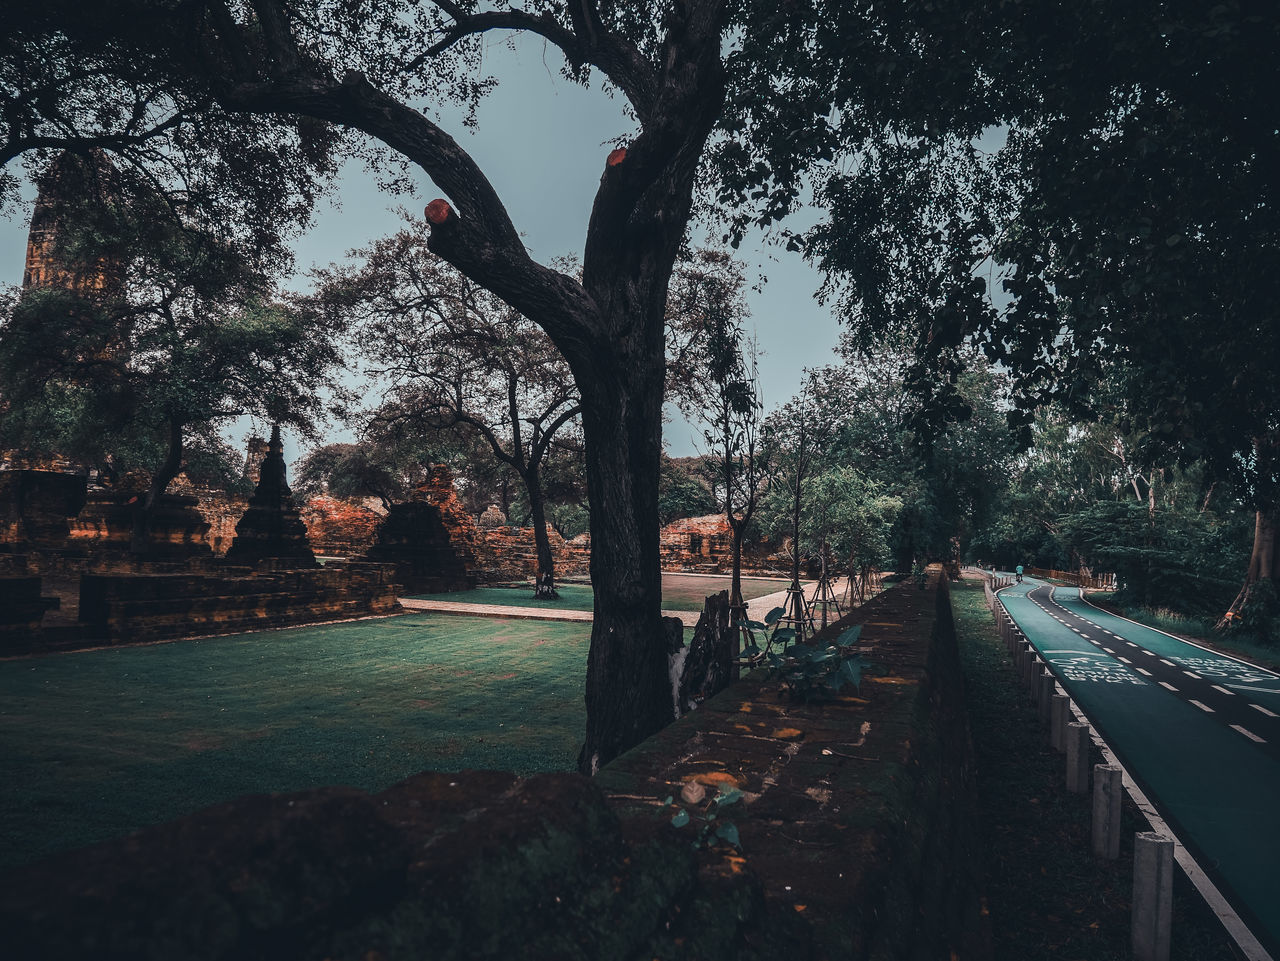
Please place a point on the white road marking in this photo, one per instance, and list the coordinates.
(1259, 707)
(1143, 670)
(1249, 734)
(1192, 674)
(1167, 663)
(1223, 690)
(1253, 690)
(1168, 686)
(1204, 707)
(1131, 644)
(1124, 659)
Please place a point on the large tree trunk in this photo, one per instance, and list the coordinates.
(545, 580)
(627, 690)
(1264, 563)
(140, 536)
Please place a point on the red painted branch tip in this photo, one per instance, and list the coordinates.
(438, 211)
(616, 156)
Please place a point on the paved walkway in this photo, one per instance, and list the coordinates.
(757, 608)
(1197, 730)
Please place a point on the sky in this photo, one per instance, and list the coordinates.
(543, 141)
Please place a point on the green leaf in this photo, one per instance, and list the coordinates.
(773, 615)
(728, 796)
(729, 832)
(680, 819)
(849, 636)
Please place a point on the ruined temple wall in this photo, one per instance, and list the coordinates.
(705, 544)
(509, 553)
(340, 528)
(696, 543)
(221, 511)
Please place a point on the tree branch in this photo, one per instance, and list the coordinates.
(587, 43)
(280, 43)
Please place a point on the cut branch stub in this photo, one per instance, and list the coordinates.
(438, 211)
(616, 156)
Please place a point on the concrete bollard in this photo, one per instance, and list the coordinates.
(1108, 792)
(1152, 896)
(1032, 679)
(1059, 718)
(1044, 694)
(1077, 739)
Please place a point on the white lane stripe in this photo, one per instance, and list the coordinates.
(1131, 644)
(1259, 707)
(1167, 663)
(1184, 640)
(1204, 707)
(1250, 947)
(1192, 674)
(1168, 686)
(1222, 690)
(1254, 690)
(1249, 734)
(1143, 670)
(1125, 659)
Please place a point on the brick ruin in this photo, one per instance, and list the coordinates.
(270, 530)
(420, 539)
(696, 544)
(505, 552)
(704, 544)
(36, 507)
(78, 583)
(105, 525)
(70, 176)
(340, 528)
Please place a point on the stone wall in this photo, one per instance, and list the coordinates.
(695, 543)
(36, 507)
(855, 843)
(704, 544)
(340, 528)
(508, 553)
(136, 607)
(221, 511)
(177, 529)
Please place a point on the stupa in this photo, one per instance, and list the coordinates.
(271, 530)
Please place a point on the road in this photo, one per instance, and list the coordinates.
(1197, 730)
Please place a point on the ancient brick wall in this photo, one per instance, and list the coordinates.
(696, 544)
(220, 511)
(340, 528)
(509, 553)
(135, 607)
(105, 525)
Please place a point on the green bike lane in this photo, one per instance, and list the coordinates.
(1198, 732)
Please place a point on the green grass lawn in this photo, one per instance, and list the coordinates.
(680, 592)
(95, 744)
